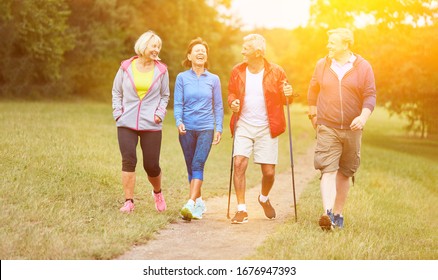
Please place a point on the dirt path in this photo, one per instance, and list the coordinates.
(214, 237)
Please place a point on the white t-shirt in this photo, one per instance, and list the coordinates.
(254, 109)
(341, 70)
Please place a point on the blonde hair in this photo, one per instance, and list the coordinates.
(258, 42)
(345, 34)
(144, 40)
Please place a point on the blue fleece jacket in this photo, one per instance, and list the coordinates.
(198, 101)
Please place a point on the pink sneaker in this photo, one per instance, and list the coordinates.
(160, 203)
(128, 207)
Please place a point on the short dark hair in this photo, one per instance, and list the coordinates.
(198, 41)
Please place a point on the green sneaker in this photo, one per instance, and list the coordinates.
(187, 212)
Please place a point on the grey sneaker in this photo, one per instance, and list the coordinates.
(339, 221)
(240, 217)
(326, 221)
(267, 207)
(199, 209)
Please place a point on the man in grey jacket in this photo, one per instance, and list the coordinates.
(341, 97)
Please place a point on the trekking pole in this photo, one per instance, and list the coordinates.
(231, 171)
(291, 153)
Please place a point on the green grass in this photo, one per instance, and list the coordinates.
(391, 210)
(60, 189)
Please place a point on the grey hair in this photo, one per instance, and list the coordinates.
(258, 42)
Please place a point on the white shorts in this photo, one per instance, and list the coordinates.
(250, 139)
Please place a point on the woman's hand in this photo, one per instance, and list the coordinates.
(157, 119)
(217, 138)
(182, 129)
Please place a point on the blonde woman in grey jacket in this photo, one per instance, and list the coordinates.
(139, 99)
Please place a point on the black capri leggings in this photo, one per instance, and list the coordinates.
(150, 143)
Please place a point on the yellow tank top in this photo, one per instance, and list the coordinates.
(142, 80)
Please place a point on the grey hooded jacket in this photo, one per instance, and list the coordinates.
(132, 112)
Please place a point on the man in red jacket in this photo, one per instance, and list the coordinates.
(341, 97)
(257, 92)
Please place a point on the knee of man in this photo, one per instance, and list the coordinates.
(269, 174)
(240, 164)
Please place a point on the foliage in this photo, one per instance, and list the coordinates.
(32, 55)
(99, 27)
(398, 38)
(407, 80)
(325, 13)
(72, 48)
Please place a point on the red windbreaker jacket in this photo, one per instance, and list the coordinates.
(273, 79)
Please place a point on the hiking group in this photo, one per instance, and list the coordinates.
(341, 97)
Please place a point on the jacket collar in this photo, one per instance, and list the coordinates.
(242, 66)
(356, 62)
(126, 63)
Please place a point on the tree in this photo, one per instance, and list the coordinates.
(398, 38)
(37, 39)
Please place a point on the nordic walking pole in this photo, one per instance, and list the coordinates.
(231, 172)
(291, 154)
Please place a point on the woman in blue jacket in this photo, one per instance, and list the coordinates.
(198, 112)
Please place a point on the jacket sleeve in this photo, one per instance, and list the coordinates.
(165, 94)
(369, 93)
(178, 101)
(314, 87)
(232, 88)
(218, 105)
(117, 92)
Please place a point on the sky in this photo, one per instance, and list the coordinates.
(271, 13)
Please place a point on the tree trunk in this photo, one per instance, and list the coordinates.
(432, 129)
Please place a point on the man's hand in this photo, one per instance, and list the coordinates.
(235, 106)
(358, 123)
(287, 89)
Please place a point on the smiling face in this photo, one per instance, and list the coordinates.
(336, 46)
(152, 49)
(249, 52)
(198, 56)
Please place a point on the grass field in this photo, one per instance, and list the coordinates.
(391, 210)
(60, 189)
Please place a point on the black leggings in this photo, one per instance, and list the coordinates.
(150, 143)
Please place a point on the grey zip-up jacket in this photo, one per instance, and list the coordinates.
(131, 112)
(339, 102)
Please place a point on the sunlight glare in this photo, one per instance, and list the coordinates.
(288, 14)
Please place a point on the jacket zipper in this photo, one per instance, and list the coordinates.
(141, 100)
(340, 94)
